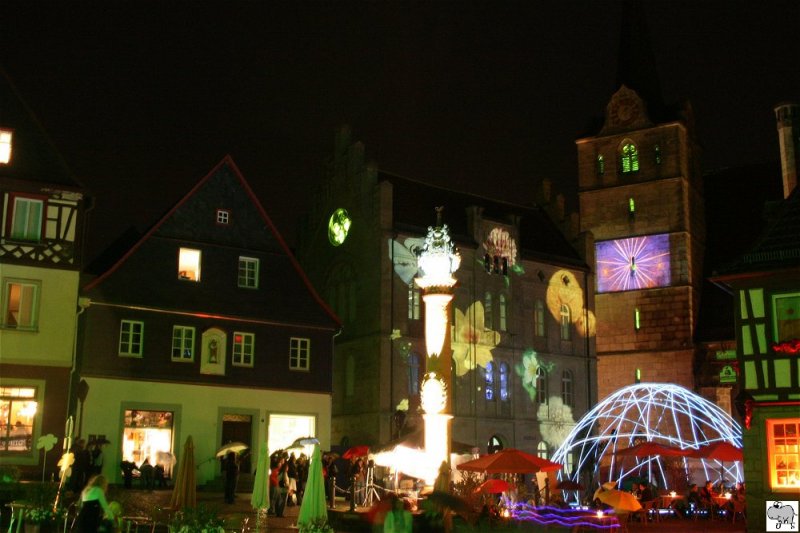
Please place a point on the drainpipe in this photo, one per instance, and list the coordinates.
(83, 304)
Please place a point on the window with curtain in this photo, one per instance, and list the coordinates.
(566, 321)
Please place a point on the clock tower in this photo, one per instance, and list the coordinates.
(640, 194)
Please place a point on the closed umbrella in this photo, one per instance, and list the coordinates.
(314, 508)
(509, 461)
(184, 493)
(260, 497)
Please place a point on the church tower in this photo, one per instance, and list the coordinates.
(641, 198)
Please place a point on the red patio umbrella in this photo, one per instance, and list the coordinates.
(649, 448)
(356, 451)
(509, 461)
(720, 450)
(494, 486)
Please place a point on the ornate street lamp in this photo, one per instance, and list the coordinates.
(437, 262)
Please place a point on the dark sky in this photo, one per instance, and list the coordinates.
(143, 98)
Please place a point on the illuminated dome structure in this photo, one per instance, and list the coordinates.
(657, 412)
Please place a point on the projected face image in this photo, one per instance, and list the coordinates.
(631, 264)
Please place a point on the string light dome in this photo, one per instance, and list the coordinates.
(656, 412)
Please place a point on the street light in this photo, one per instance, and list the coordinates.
(437, 262)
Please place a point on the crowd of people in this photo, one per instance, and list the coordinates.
(287, 477)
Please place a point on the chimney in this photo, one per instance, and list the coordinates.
(788, 117)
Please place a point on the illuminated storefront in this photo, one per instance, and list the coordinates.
(148, 435)
(18, 408)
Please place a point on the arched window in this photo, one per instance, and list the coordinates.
(629, 158)
(538, 318)
(413, 374)
(489, 381)
(566, 321)
(566, 387)
(541, 450)
(413, 301)
(494, 445)
(350, 376)
(488, 320)
(502, 310)
(504, 394)
(541, 385)
(601, 165)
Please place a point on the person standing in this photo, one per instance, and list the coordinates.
(148, 474)
(230, 468)
(95, 515)
(81, 466)
(98, 456)
(278, 479)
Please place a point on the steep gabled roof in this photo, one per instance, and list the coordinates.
(539, 238)
(34, 158)
(170, 226)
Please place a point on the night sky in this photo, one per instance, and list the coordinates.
(143, 98)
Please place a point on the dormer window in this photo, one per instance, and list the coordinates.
(189, 264)
(5, 146)
(223, 217)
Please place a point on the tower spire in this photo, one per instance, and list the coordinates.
(636, 66)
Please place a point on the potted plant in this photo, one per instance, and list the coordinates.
(38, 507)
(319, 525)
(42, 518)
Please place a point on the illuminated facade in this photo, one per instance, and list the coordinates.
(765, 284)
(206, 326)
(42, 210)
(521, 321)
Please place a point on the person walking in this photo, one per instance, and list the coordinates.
(230, 467)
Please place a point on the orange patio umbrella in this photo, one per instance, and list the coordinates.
(509, 461)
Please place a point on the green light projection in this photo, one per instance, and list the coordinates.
(338, 226)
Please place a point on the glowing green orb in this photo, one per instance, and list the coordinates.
(338, 226)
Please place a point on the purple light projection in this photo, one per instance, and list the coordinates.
(631, 264)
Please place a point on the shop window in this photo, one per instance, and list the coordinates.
(783, 446)
(299, 353)
(244, 345)
(20, 304)
(189, 264)
(182, 343)
(248, 273)
(148, 435)
(18, 409)
(26, 219)
(5, 146)
(131, 338)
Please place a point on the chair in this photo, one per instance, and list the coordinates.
(650, 510)
(739, 509)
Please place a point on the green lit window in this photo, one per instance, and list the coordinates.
(26, 219)
(786, 309)
(243, 348)
(629, 161)
(637, 319)
(657, 153)
(631, 206)
(299, 353)
(131, 336)
(601, 165)
(182, 343)
(248, 272)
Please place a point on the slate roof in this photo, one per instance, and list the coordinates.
(34, 158)
(539, 238)
(286, 295)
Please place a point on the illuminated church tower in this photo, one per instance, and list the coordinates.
(640, 193)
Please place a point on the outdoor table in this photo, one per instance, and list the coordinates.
(17, 515)
(665, 501)
(133, 523)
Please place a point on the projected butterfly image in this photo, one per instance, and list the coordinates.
(631, 264)
(404, 257)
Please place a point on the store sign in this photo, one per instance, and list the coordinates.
(722, 355)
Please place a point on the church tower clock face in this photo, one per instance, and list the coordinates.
(632, 264)
(338, 227)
